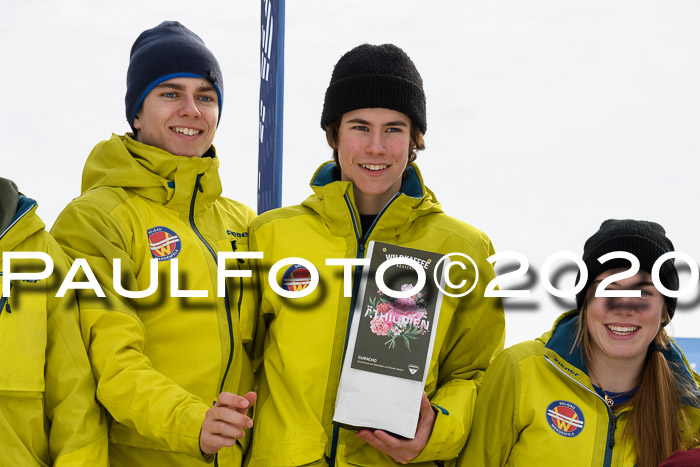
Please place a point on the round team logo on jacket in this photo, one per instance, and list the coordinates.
(296, 278)
(164, 243)
(565, 418)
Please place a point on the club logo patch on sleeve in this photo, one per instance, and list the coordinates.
(565, 418)
(296, 278)
(164, 243)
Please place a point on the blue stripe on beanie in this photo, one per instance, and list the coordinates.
(167, 51)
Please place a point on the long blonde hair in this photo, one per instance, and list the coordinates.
(657, 418)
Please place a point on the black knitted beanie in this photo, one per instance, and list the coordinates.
(375, 76)
(168, 51)
(645, 240)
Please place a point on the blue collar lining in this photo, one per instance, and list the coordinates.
(565, 334)
(411, 185)
(562, 339)
(24, 205)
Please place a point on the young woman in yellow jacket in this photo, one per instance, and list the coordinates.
(606, 386)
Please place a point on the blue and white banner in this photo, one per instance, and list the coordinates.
(271, 105)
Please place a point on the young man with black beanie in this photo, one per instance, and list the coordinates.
(374, 117)
(171, 366)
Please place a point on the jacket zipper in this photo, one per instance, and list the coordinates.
(198, 187)
(612, 419)
(240, 279)
(240, 301)
(361, 242)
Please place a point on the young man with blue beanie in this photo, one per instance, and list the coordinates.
(171, 366)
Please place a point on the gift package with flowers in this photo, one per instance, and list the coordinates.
(391, 339)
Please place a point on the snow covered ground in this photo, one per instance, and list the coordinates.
(544, 117)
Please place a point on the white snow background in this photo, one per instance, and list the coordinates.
(544, 117)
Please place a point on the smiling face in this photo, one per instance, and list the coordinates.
(373, 148)
(621, 329)
(179, 116)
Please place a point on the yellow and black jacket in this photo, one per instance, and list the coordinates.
(160, 361)
(305, 337)
(537, 407)
(48, 411)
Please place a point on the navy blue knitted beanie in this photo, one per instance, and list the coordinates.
(169, 50)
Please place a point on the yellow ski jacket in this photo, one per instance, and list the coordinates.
(537, 407)
(160, 361)
(48, 411)
(305, 337)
